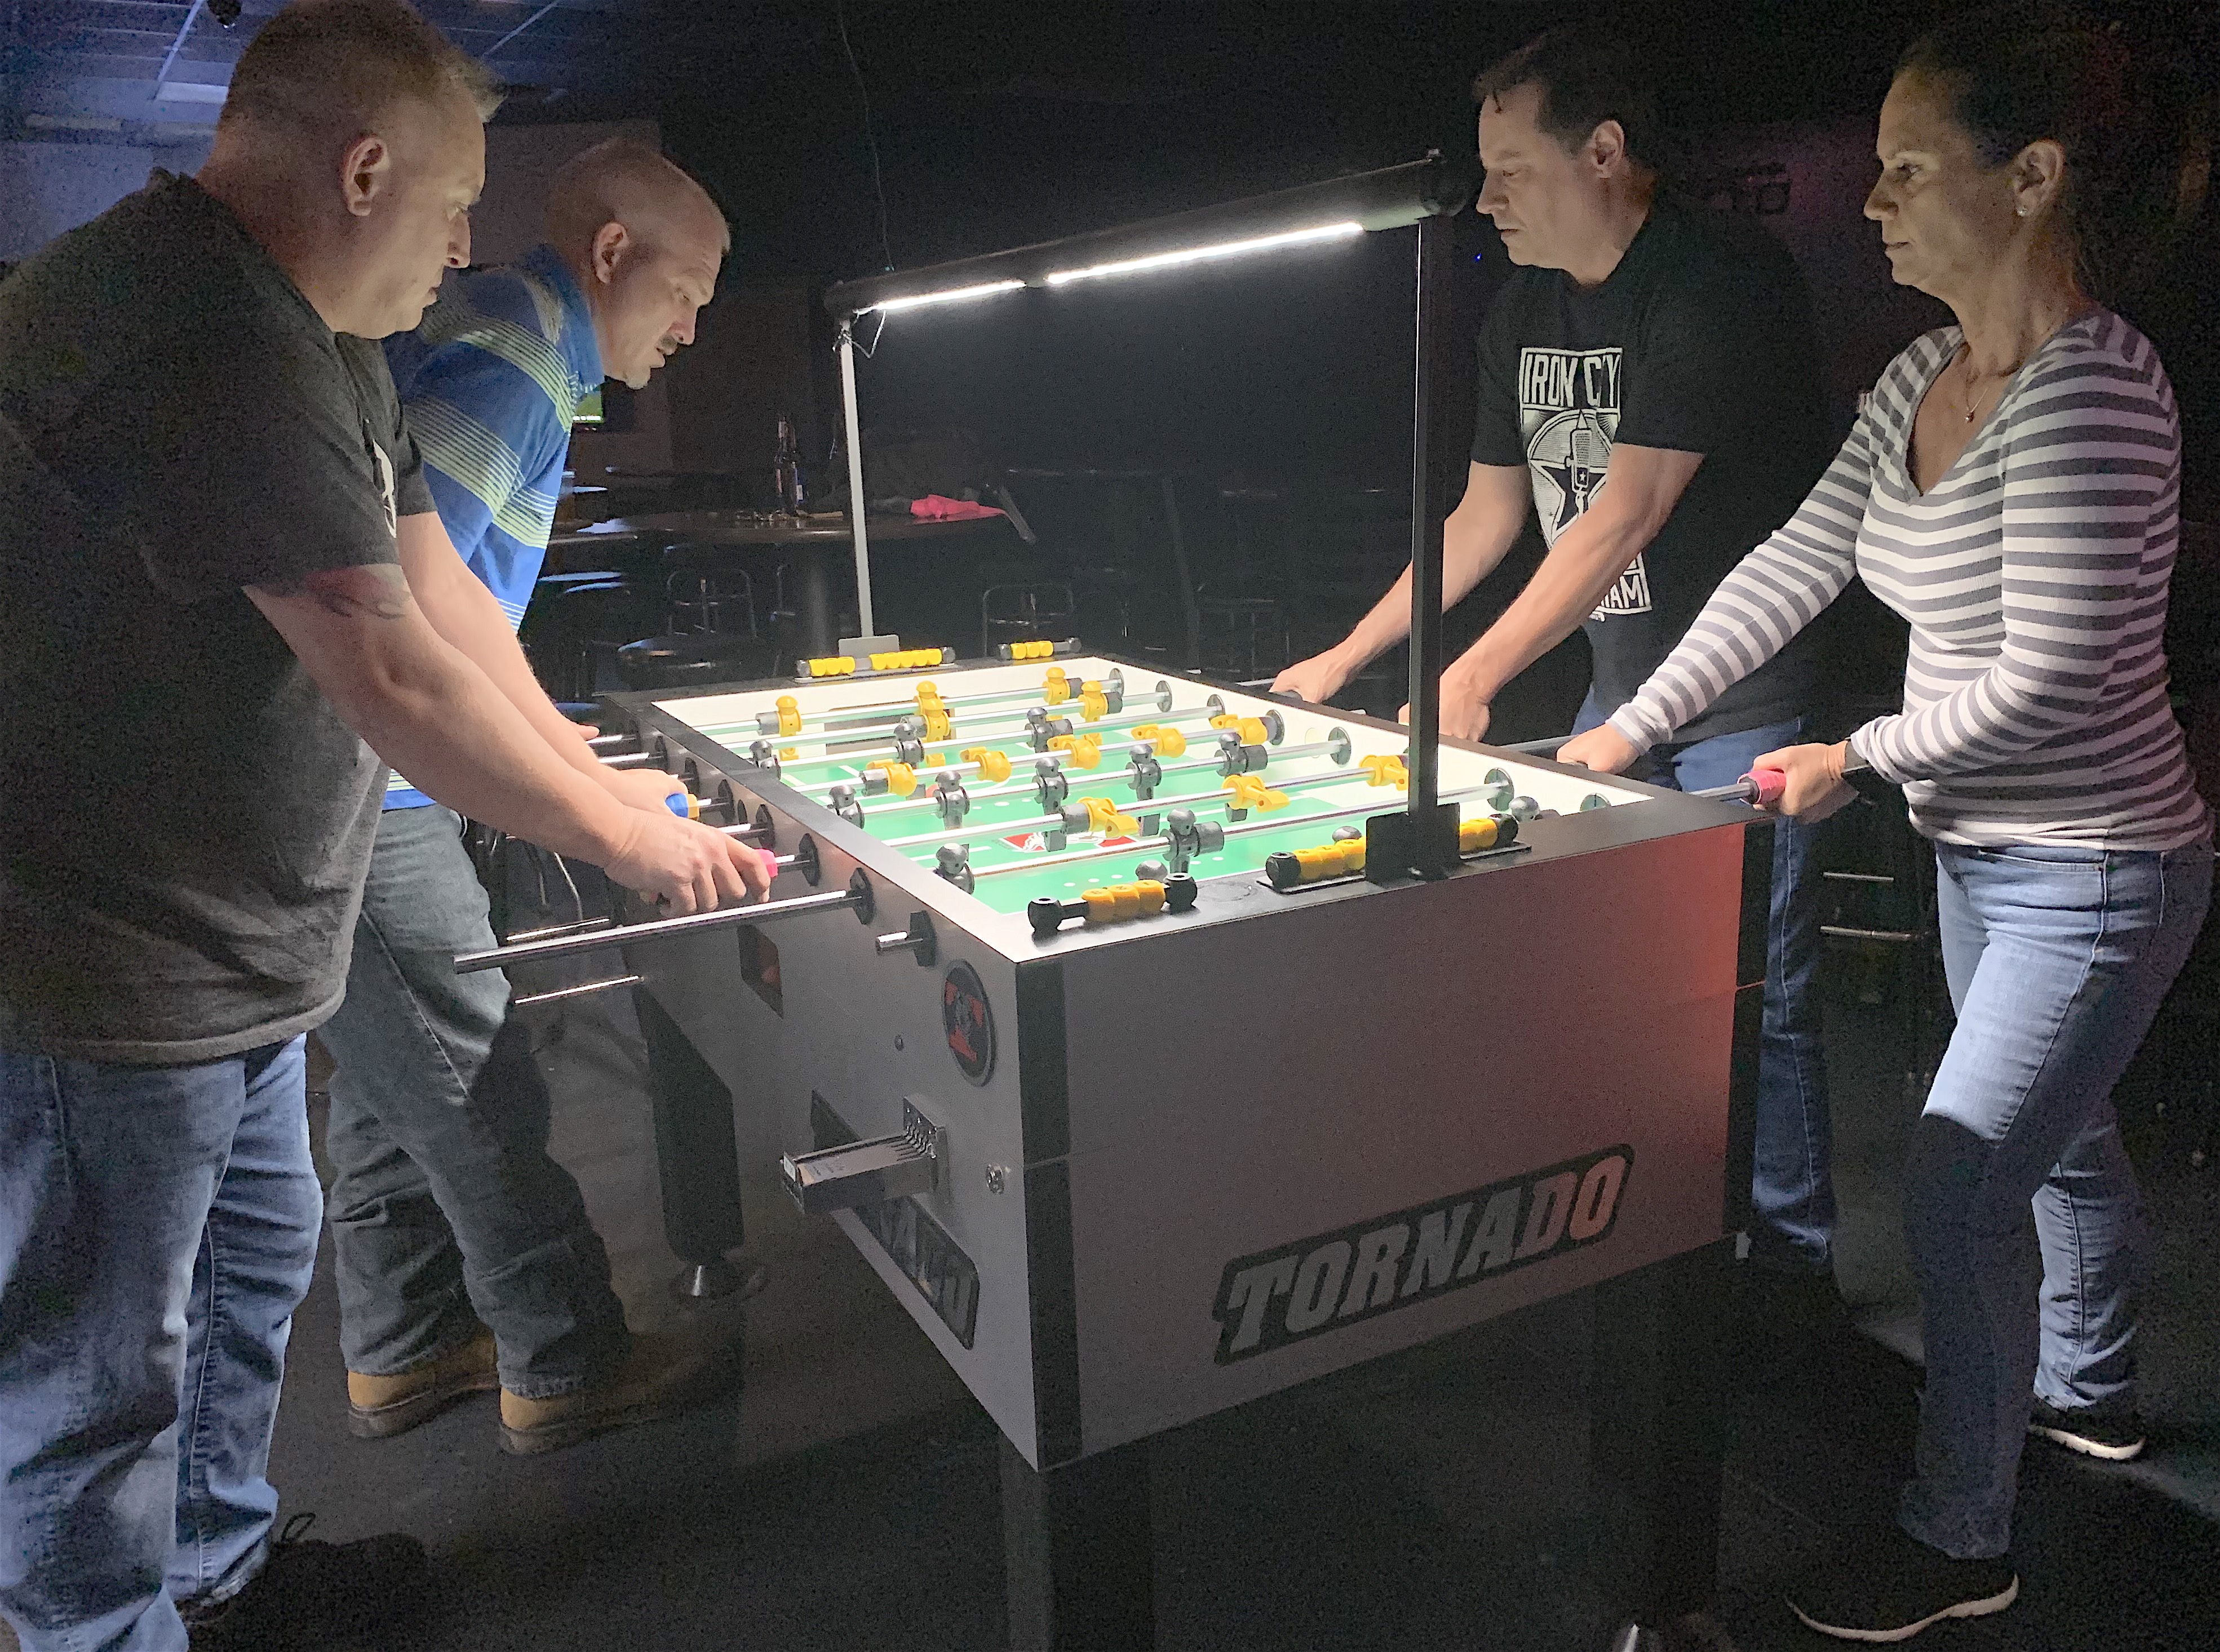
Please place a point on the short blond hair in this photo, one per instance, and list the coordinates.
(319, 64)
(622, 180)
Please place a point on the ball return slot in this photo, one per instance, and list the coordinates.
(866, 1173)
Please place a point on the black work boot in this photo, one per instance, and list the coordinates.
(313, 1594)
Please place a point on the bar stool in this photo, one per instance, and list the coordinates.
(1041, 610)
(1243, 637)
(692, 661)
(573, 620)
(718, 600)
(1122, 538)
(1880, 899)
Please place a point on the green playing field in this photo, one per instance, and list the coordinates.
(1016, 855)
(1319, 765)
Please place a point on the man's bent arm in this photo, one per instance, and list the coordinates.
(1639, 491)
(463, 611)
(434, 714)
(1476, 538)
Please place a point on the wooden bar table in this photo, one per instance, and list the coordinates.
(814, 545)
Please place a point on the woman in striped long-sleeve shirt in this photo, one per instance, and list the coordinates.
(2011, 489)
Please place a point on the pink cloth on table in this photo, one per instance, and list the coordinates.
(938, 507)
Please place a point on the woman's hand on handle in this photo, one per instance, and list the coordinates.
(1812, 786)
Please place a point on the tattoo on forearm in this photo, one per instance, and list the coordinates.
(379, 591)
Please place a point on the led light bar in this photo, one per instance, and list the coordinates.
(1392, 197)
(1198, 254)
(953, 295)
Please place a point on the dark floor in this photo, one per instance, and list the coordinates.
(848, 1498)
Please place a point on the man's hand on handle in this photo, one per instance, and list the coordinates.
(685, 867)
(1317, 679)
(1603, 749)
(643, 788)
(1464, 713)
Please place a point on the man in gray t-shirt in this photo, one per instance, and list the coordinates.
(220, 575)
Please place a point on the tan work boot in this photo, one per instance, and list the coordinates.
(664, 1374)
(379, 1407)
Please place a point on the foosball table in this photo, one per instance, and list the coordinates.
(1081, 1007)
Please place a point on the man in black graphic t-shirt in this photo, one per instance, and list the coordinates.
(1649, 388)
(1697, 347)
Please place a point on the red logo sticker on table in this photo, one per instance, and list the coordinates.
(968, 1023)
(1033, 843)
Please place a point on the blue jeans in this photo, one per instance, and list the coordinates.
(446, 1210)
(1791, 1177)
(2026, 1229)
(158, 1227)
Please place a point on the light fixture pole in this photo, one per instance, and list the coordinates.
(867, 643)
(1422, 838)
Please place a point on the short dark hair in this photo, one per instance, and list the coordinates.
(1588, 75)
(2016, 78)
(321, 63)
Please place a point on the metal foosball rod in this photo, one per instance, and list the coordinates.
(1759, 788)
(863, 715)
(1163, 839)
(1127, 778)
(1152, 742)
(914, 745)
(686, 805)
(856, 898)
(1231, 758)
(788, 719)
(1041, 725)
(933, 726)
(1077, 817)
(1050, 741)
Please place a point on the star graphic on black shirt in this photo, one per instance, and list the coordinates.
(1575, 482)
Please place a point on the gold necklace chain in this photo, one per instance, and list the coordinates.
(1970, 397)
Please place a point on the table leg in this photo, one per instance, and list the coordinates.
(1076, 1544)
(697, 1154)
(813, 602)
(1656, 1421)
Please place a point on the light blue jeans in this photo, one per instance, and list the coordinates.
(447, 1208)
(158, 1227)
(2026, 1228)
(1791, 1171)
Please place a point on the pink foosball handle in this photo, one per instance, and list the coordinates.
(1765, 785)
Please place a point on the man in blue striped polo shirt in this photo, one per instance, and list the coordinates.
(463, 1254)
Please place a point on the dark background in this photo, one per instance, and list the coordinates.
(1002, 123)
